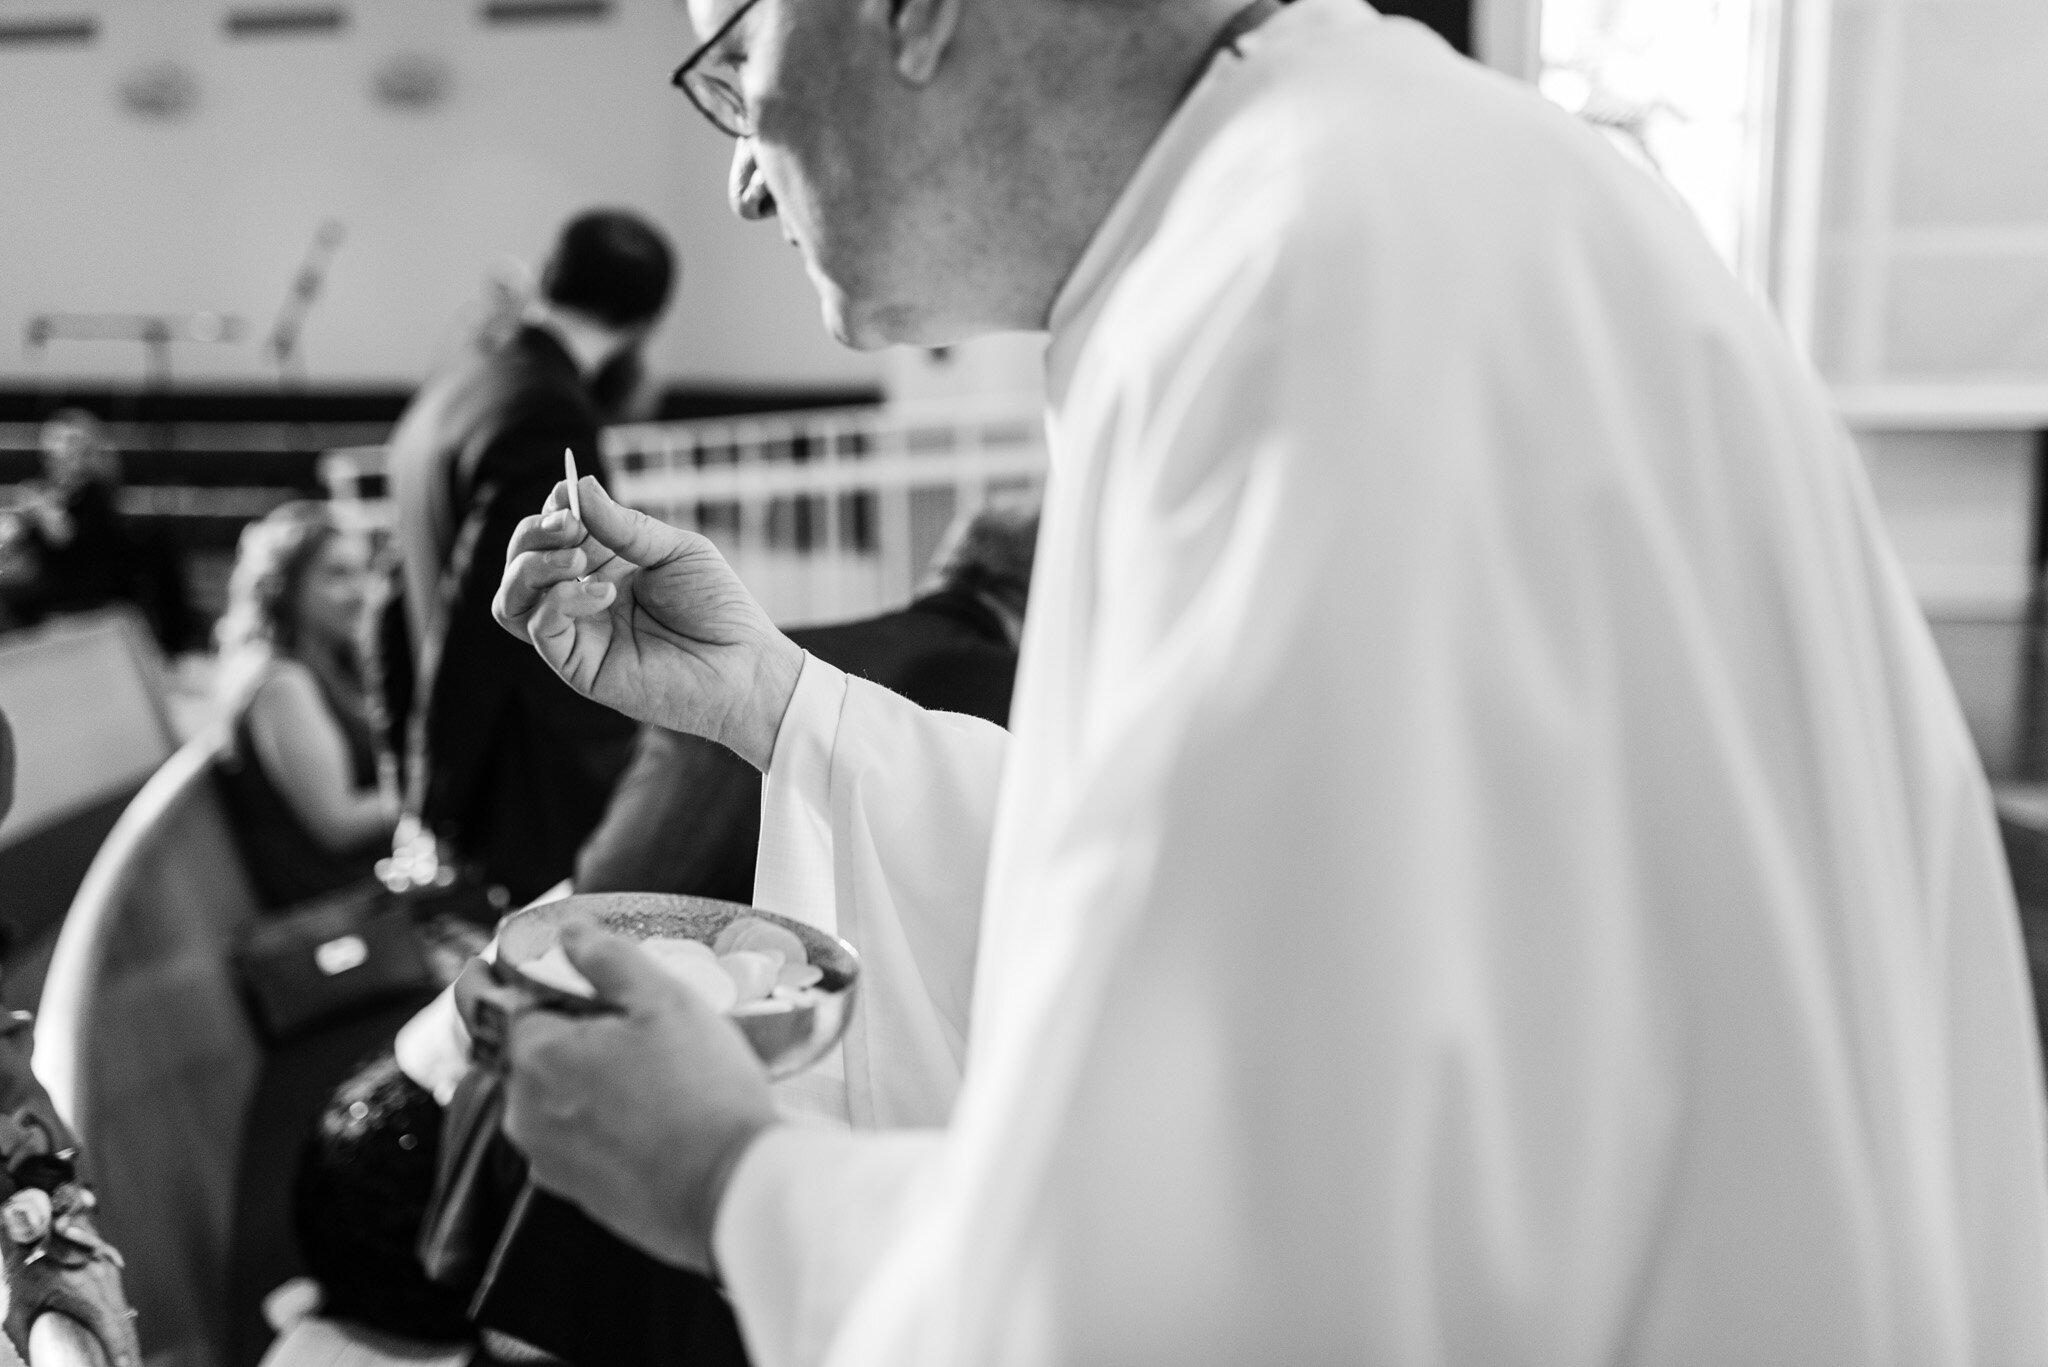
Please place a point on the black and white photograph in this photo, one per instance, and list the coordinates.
(1023, 683)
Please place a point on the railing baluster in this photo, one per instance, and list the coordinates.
(722, 477)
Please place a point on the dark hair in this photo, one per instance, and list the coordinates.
(365, 1177)
(612, 266)
(991, 550)
(616, 388)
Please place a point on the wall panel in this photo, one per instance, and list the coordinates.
(103, 210)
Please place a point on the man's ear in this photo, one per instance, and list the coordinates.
(922, 30)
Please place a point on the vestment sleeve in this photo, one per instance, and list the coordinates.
(875, 822)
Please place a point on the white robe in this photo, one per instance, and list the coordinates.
(1487, 866)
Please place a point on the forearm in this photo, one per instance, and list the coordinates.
(912, 794)
(346, 821)
(683, 819)
(756, 719)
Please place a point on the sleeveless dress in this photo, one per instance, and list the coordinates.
(287, 863)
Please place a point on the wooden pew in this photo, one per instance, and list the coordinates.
(86, 697)
(147, 1052)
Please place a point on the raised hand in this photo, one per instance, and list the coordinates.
(648, 619)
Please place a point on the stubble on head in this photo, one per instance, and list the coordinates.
(944, 163)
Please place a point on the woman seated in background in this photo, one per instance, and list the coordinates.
(300, 774)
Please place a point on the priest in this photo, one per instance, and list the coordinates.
(1487, 866)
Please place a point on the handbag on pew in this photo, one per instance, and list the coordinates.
(357, 948)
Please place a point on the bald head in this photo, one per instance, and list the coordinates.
(941, 164)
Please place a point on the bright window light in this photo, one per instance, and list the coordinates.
(1681, 87)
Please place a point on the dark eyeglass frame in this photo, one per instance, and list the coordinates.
(707, 92)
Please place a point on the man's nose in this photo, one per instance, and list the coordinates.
(748, 188)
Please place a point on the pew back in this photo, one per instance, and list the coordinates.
(85, 695)
(146, 1050)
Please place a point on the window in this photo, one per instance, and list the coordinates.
(1682, 87)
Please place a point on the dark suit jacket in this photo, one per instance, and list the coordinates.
(687, 815)
(519, 766)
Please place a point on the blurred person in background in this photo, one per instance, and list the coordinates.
(516, 768)
(83, 553)
(508, 297)
(300, 776)
(687, 815)
(88, 558)
(21, 569)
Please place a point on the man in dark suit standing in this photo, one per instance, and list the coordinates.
(687, 815)
(513, 769)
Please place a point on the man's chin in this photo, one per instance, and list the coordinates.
(848, 334)
(865, 327)
(864, 322)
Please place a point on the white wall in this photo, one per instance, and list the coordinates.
(1960, 509)
(1934, 251)
(1006, 364)
(103, 210)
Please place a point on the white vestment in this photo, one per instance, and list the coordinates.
(1486, 867)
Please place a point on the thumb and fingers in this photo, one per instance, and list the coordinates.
(638, 1116)
(556, 527)
(554, 546)
(628, 533)
(544, 551)
(551, 623)
(613, 965)
(625, 976)
(622, 976)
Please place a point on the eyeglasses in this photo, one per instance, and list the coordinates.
(713, 81)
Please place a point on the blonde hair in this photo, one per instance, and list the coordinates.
(270, 564)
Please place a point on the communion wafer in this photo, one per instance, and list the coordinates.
(690, 963)
(753, 933)
(760, 980)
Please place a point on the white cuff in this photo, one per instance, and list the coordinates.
(806, 1216)
(433, 1047)
(793, 871)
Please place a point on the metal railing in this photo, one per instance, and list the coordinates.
(825, 514)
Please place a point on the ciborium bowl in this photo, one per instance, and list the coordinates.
(787, 1037)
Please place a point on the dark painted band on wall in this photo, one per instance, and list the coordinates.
(298, 22)
(545, 11)
(47, 32)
